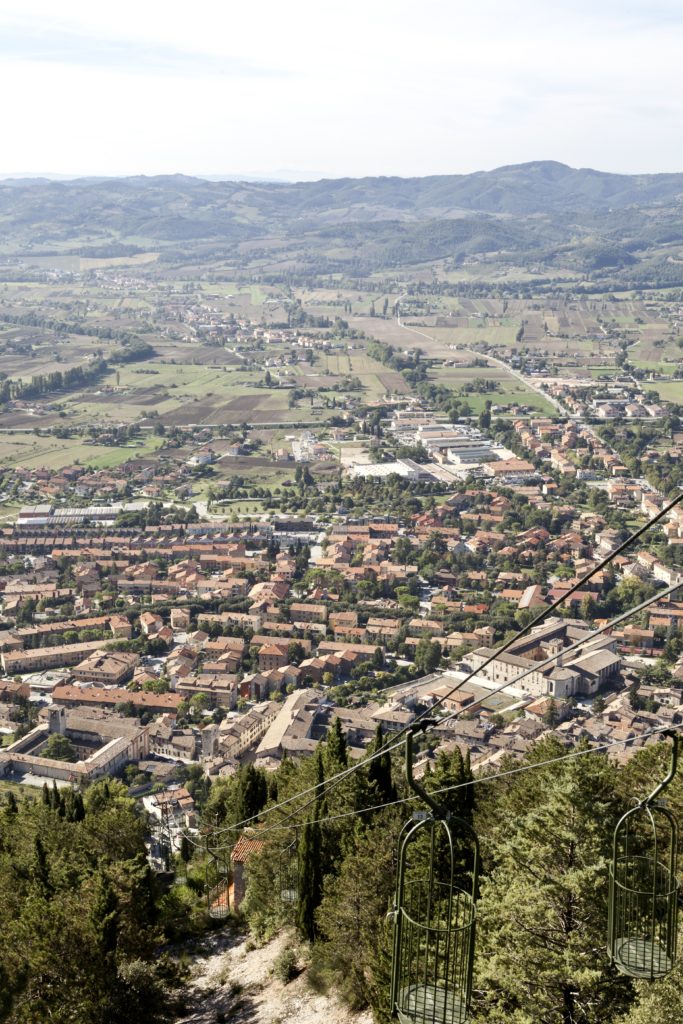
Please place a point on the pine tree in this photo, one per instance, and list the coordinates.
(353, 951)
(543, 909)
(661, 1003)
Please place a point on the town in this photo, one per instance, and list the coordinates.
(164, 642)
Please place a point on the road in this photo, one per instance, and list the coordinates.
(526, 381)
(497, 362)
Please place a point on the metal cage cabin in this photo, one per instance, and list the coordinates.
(434, 914)
(217, 887)
(643, 886)
(288, 872)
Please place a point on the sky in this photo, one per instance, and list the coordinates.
(303, 89)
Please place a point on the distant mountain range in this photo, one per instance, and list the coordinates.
(543, 209)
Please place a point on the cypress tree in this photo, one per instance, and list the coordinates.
(337, 756)
(185, 849)
(320, 796)
(468, 777)
(68, 805)
(252, 792)
(104, 916)
(104, 924)
(79, 807)
(382, 788)
(41, 871)
(310, 879)
(54, 797)
(314, 854)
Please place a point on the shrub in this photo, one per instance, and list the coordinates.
(286, 967)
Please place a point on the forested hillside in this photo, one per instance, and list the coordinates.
(80, 936)
(546, 838)
(86, 926)
(583, 220)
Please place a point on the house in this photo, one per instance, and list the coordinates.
(221, 689)
(109, 696)
(532, 597)
(11, 691)
(244, 848)
(111, 668)
(180, 618)
(450, 697)
(304, 612)
(290, 731)
(174, 812)
(270, 657)
(150, 624)
(167, 740)
(509, 469)
(19, 662)
(238, 734)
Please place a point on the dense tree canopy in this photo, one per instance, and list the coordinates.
(79, 936)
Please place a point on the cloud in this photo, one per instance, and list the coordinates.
(349, 87)
(53, 45)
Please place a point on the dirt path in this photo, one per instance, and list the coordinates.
(233, 982)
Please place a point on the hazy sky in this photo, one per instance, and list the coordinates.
(298, 88)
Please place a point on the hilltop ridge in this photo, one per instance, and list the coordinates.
(541, 211)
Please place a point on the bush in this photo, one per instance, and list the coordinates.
(286, 966)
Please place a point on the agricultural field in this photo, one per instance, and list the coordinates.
(221, 356)
(25, 449)
(179, 394)
(574, 332)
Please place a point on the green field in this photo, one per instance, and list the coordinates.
(26, 450)
(669, 390)
(510, 390)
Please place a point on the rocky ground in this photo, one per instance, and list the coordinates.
(233, 981)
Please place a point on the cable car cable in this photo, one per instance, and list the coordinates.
(331, 783)
(539, 665)
(478, 780)
(543, 615)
